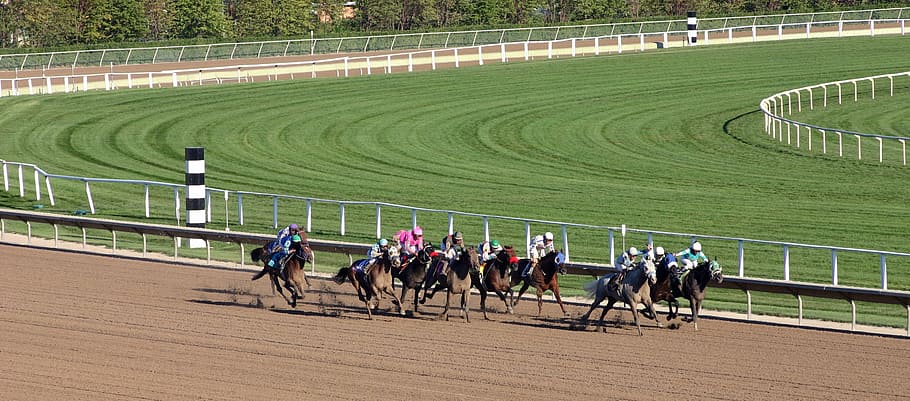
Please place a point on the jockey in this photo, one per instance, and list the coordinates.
(292, 229)
(689, 257)
(647, 251)
(283, 252)
(375, 253)
(623, 263)
(488, 250)
(662, 258)
(411, 240)
(454, 247)
(540, 246)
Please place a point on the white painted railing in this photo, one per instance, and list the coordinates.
(464, 221)
(417, 41)
(748, 285)
(432, 59)
(776, 106)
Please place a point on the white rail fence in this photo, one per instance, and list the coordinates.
(842, 20)
(290, 205)
(748, 285)
(776, 106)
(449, 57)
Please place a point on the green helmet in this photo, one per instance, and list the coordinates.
(494, 243)
(295, 238)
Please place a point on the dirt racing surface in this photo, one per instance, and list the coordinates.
(74, 326)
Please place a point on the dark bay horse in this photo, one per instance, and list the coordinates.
(694, 287)
(635, 288)
(378, 282)
(543, 278)
(413, 273)
(293, 275)
(458, 281)
(497, 274)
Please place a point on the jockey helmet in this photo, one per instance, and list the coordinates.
(383, 242)
(696, 246)
(417, 231)
(633, 251)
(538, 239)
(458, 235)
(548, 236)
(494, 243)
(295, 238)
(293, 226)
(659, 251)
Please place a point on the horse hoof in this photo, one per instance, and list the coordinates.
(423, 301)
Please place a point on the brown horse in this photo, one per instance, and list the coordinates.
(543, 278)
(694, 287)
(293, 275)
(634, 289)
(458, 281)
(413, 273)
(378, 281)
(497, 277)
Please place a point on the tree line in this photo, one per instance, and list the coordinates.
(54, 23)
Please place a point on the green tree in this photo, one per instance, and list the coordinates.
(253, 17)
(160, 19)
(199, 19)
(293, 17)
(42, 23)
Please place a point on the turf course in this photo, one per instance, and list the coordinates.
(667, 140)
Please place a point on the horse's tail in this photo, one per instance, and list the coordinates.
(591, 288)
(255, 254)
(342, 275)
(260, 274)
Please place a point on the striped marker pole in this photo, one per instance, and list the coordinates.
(195, 192)
(691, 23)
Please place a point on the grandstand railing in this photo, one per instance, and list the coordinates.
(760, 26)
(776, 106)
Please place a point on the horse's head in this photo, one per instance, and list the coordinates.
(649, 269)
(717, 272)
(392, 257)
(425, 254)
(303, 251)
(507, 259)
(554, 262)
(472, 259)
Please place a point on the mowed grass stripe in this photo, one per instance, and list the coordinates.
(668, 141)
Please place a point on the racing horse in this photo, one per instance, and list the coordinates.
(413, 273)
(377, 282)
(544, 277)
(293, 275)
(458, 281)
(694, 287)
(635, 288)
(497, 277)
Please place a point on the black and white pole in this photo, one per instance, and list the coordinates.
(691, 23)
(195, 192)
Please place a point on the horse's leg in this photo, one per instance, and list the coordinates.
(673, 307)
(634, 306)
(483, 300)
(465, 299)
(555, 290)
(277, 285)
(650, 307)
(391, 292)
(445, 312)
(524, 287)
(404, 292)
(695, 304)
(539, 300)
(597, 300)
(600, 322)
(511, 300)
(502, 296)
(290, 287)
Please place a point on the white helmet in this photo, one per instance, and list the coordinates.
(696, 246)
(659, 251)
(538, 239)
(548, 236)
(633, 251)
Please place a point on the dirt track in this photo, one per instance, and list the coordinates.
(96, 327)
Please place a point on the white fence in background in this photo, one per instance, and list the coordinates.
(291, 202)
(776, 106)
(843, 20)
(449, 57)
(748, 285)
